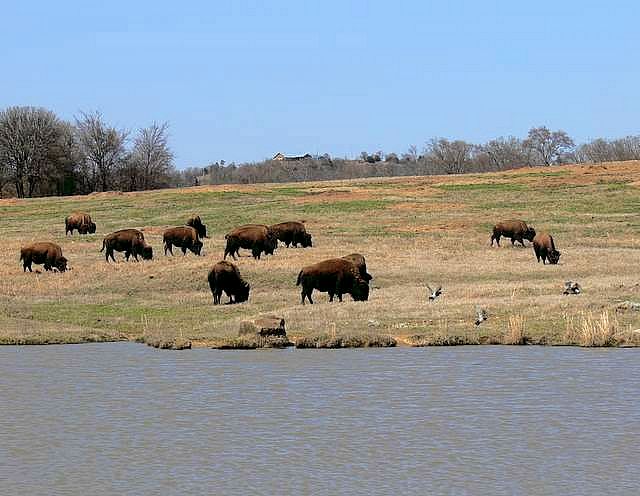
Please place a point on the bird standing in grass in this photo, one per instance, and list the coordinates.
(434, 294)
(482, 315)
(571, 287)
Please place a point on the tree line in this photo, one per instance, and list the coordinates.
(42, 155)
(541, 147)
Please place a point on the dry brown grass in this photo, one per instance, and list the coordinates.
(413, 231)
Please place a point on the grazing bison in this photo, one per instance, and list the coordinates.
(81, 222)
(359, 261)
(224, 276)
(130, 241)
(49, 254)
(517, 230)
(197, 224)
(255, 237)
(545, 248)
(184, 237)
(292, 233)
(336, 277)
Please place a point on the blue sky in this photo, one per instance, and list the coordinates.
(242, 80)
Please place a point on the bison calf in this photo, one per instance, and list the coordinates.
(81, 222)
(48, 254)
(197, 224)
(255, 237)
(517, 230)
(224, 276)
(130, 241)
(336, 277)
(292, 233)
(545, 249)
(185, 238)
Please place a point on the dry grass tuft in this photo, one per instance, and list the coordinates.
(516, 333)
(594, 331)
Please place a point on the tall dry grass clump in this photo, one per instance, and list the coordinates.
(516, 333)
(593, 331)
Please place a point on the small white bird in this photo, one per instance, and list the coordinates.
(434, 294)
(482, 315)
(571, 287)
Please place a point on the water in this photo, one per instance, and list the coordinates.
(128, 419)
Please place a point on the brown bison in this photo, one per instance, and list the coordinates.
(336, 277)
(255, 237)
(224, 276)
(81, 222)
(184, 237)
(359, 261)
(292, 233)
(545, 248)
(197, 224)
(130, 241)
(517, 230)
(49, 254)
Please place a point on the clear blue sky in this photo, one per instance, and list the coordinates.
(242, 80)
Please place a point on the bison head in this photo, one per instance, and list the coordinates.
(92, 228)
(360, 290)
(61, 264)
(306, 240)
(147, 253)
(242, 293)
(270, 244)
(530, 234)
(553, 256)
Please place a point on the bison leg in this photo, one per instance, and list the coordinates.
(229, 251)
(495, 237)
(330, 297)
(110, 254)
(26, 265)
(184, 251)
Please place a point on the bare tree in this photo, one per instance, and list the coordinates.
(102, 149)
(28, 136)
(151, 156)
(548, 145)
(453, 157)
(506, 153)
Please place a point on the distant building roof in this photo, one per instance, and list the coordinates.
(280, 156)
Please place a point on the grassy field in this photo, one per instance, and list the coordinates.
(413, 231)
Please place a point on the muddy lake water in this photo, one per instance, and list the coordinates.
(123, 418)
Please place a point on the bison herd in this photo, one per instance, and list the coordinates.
(336, 276)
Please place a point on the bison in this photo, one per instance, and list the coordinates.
(359, 261)
(130, 241)
(517, 230)
(197, 224)
(292, 233)
(184, 237)
(545, 248)
(49, 254)
(224, 276)
(81, 222)
(335, 276)
(255, 237)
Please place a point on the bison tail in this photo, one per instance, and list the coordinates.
(104, 244)
(299, 280)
